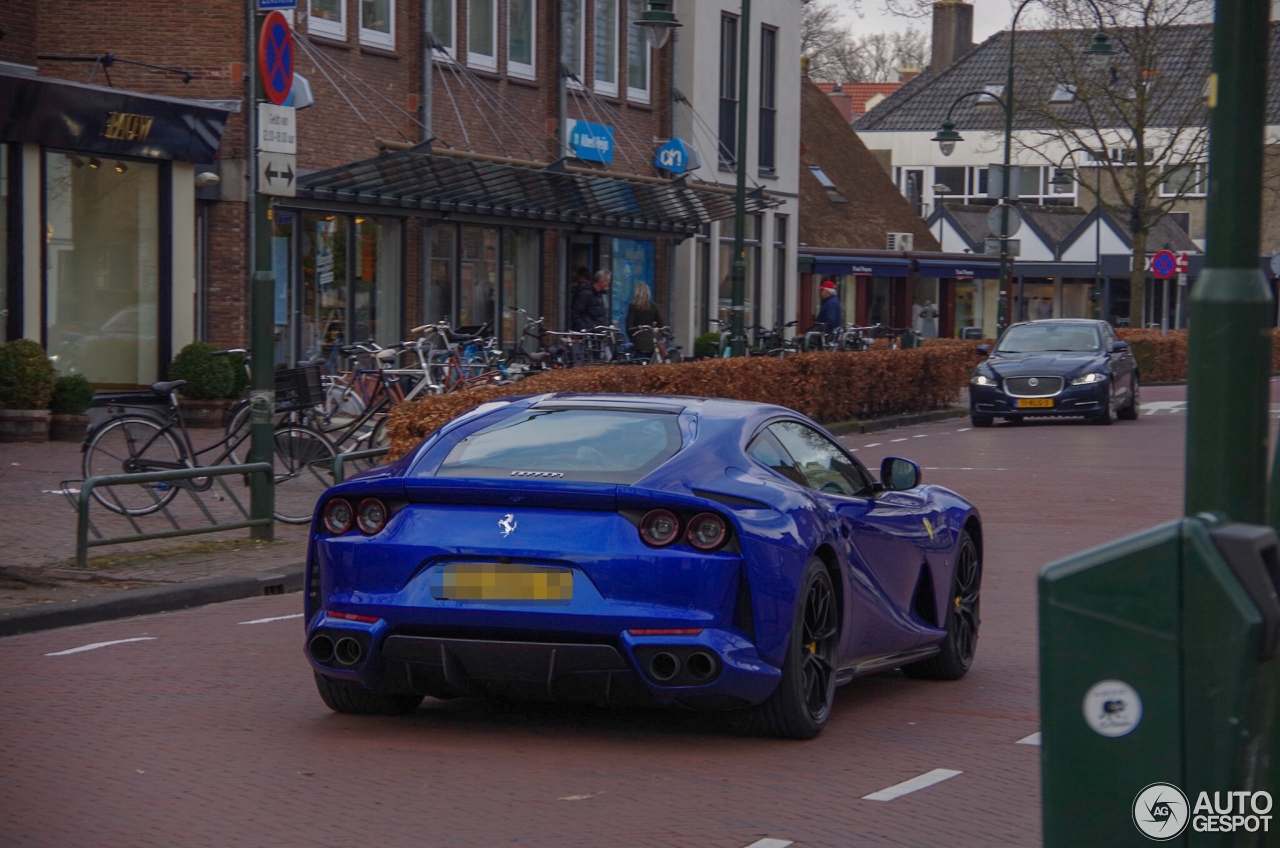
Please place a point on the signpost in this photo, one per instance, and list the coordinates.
(1164, 264)
(275, 57)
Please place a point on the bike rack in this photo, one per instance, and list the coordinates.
(84, 526)
(340, 461)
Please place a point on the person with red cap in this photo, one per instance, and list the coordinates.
(830, 315)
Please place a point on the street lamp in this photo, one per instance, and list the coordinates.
(1099, 45)
(658, 21)
(1060, 181)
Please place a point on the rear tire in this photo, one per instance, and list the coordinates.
(352, 700)
(303, 469)
(1129, 412)
(800, 706)
(133, 444)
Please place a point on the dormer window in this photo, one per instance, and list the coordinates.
(833, 193)
(991, 96)
(1063, 92)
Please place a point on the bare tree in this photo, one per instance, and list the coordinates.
(835, 54)
(1140, 108)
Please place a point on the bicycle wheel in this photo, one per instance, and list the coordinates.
(377, 439)
(304, 469)
(129, 445)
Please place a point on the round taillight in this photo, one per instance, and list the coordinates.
(706, 531)
(659, 527)
(337, 516)
(371, 516)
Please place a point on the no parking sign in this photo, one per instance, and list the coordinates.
(275, 57)
(1164, 264)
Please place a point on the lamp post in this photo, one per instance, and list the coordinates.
(947, 137)
(658, 18)
(1062, 180)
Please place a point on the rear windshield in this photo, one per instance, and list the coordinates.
(583, 445)
(1043, 338)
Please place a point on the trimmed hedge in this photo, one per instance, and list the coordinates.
(825, 386)
(1163, 358)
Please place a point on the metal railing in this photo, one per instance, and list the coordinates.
(340, 461)
(83, 503)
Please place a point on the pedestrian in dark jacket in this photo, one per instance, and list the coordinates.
(588, 309)
(830, 314)
(642, 311)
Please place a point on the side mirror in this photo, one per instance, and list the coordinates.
(897, 474)
(1118, 346)
(982, 350)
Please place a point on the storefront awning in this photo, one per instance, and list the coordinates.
(448, 182)
(950, 270)
(108, 121)
(871, 266)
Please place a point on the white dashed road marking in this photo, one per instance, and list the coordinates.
(1033, 739)
(921, 436)
(97, 645)
(872, 445)
(964, 430)
(771, 843)
(915, 784)
(273, 618)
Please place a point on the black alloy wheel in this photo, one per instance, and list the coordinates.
(960, 644)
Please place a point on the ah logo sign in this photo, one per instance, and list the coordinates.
(677, 157)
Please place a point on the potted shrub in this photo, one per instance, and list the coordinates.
(72, 394)
(26, 384)
(210, 379)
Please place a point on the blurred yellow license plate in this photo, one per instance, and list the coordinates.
(1035, 403)
(486, 581)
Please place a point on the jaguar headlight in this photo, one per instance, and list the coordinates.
(982, 380)
(1086, 379)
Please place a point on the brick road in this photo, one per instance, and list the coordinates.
(210, 732)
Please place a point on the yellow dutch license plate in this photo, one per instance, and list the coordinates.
(486, 581)
(1035, 403)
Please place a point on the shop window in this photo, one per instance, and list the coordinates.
(442, 22)
(327, 18)
(375, 307)
(437, 300)
(780, 265)
(522, 38)
(378, 23)
(606, 43)
(751, 276)
(102, 274)
(478, 276)
(633, 262)
(521, 271)
(322, 299)
(637, 55)
(482, 34)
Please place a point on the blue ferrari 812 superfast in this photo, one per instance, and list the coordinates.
(625, 549)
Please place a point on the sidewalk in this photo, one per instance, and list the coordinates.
(41, 587)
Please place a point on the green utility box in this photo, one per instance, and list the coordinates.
(1159, 681)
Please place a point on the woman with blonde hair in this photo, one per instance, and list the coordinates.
(642, 311)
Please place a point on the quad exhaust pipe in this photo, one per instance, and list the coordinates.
(321, 649)
(700, 666)
(348, 652)
(664, 666)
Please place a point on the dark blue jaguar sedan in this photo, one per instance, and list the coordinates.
(626, 549)
(1068, 366)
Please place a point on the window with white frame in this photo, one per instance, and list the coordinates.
(637, 55)
(327, 18)
(482, 34)
(442, 22)
(522, 35)
(767, 152)
(378, 23)
(606, 31)
(1188, 180)
(572, 40)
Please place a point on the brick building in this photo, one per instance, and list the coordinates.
(461, 157)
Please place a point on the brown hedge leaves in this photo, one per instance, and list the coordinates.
(825, 386)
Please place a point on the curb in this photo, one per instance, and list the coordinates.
(846, 428)
(132, 602)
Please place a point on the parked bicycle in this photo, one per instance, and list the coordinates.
(138, 432)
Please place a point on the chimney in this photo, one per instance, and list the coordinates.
(908, 71)
(952, 33)
(843, 101)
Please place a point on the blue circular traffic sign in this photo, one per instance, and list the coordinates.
(275, 57)
(1164, 264)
